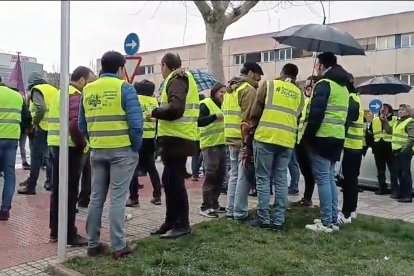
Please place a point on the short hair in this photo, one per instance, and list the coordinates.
(172, 61)
(408, 107)
(111, 61)
(290, 70)
(251, 66)
(327, 59)
(80, 72)
(144, 87)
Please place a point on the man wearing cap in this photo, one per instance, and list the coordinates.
(240, 95)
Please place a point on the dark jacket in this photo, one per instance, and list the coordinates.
(205, 118)
(329, 148)
(177, 89)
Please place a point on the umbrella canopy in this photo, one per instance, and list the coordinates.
(203, 80)
(320, 38)
(383, 85)
(16, 76)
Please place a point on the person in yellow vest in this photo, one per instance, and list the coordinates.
(402, 147)
(177, 139)
(145, 90)
(78, 80)
(42, 96)
(111, 117)
(325, 134)
(352, 156)
(237, 102)
(381, 148)
(14, 117)
(274, 116)
(213, 146)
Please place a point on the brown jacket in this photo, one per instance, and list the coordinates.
(177, 89)
(246, 99)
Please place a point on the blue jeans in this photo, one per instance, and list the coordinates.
(111, 169)
(271, 162)
(196, 162)
(294, 173)
(8, 148)
(241, 195)
(37, 154)
(234, 172)
(324, 174)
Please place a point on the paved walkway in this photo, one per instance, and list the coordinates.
(24, 242)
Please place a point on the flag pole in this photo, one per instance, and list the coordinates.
(64, 129)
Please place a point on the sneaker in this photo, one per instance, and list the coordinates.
(25, 191)
(259, 224)
(354, 215)
(26, 166)
(132, 203)
(209, 213)
(156, 201)
(335, 226)
(229, 216)
(24, 183)
(77, 241)
(101, 249)
(318, 227)
(277, 227)
(343, 220)
(221, 210)
(302, 203)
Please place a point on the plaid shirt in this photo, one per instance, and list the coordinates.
(203, 80)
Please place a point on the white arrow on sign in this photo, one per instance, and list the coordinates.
(376, 106)
(132, 44)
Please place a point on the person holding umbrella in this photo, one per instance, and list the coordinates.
(325, 135)
(402, 147)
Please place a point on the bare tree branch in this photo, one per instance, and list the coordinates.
(204, 9)
(219, 7)
(239, 12)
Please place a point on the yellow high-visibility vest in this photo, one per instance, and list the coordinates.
(53, 138)
(11, 104)
(399, 135)
(49, 93)
(354, 138)
(379, 133)
(232, 112)
(278, 124)
(303, 119)
(147, 105)
(105, 117)
(186, 126)
(212, 134)
(333, 124)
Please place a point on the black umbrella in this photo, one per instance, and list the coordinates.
(320, 38)
(383, 85)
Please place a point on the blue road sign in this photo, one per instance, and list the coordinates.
(131, 44)
(375, 105)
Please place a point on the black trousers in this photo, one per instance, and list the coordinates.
(146, 164)
(85, 193)
(351, 164)
(402, 163)
(302, 154)
(384, 158)
(75, 164)
(215, 166)
(176, 198)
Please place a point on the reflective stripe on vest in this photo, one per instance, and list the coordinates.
(49, 93)
(279, 121)
(212, 134)
(232, 112)
(303, 119)
(379, 133)
(333, 123)
(53, 138)
(11, 104)
(399, 135)
(147, 105)
(105, 117)
(186, 126)
(354, 138)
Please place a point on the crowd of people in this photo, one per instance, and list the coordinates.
(249, 136)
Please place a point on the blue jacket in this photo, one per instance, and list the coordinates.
(132, 108)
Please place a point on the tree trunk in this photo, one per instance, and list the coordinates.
(214, 49)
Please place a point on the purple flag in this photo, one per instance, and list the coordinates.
(16, 76)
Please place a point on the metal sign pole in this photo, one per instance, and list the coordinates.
(64, 129)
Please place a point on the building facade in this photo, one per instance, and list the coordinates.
(388, 41)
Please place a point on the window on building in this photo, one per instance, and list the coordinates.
(149, 69)
(386, 42)
(268, 56)
(142, 70)
(254, 57)
(368, 44)
(239, 59)
(407, 40)
(284, 54)
(407, 78)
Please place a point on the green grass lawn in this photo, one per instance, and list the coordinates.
(370, 246)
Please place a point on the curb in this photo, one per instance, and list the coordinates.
(61, 270)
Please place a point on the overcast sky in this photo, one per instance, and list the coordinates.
(34, 27)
